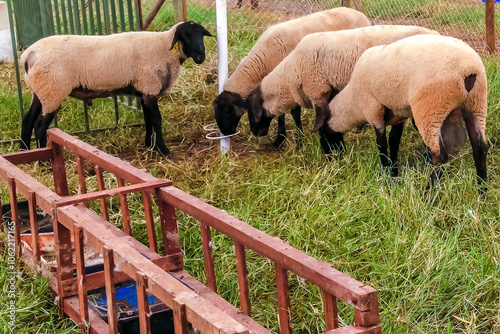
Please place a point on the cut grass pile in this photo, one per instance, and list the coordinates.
(433, 257)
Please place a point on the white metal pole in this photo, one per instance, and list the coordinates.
(221, 10)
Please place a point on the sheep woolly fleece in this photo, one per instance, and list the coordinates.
(321, 61)
(421, 76)
(279, 40)
(141, 60)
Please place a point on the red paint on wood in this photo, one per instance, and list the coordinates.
(170, 234)
(130, 259)
(102, 194)
(35, 241)
(62, 242)
(39, 154)
(124, 206)
(369, 317)
(83, 301)
(93, 281)
(208, 256)
(109, 279)
(143, 305)
(317, 272)
(150, 221)
(14, 213)
(356, 330)
(81, 177)
(59, 170)
(330, 311)
(283, 300)
(180, 320)
(102, 187)
(241, 266)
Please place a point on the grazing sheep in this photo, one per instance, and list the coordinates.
(144, 64)
(426, 77)
(271, 48)
(316, 70)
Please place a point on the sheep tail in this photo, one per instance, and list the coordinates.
(469, 82)
(25, 58)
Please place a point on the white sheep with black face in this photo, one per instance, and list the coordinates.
(318, 68)
(143, 64)
(271, 48)
(426, 77)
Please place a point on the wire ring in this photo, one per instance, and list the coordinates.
(213, 130)
(221, 137)
(206, 127)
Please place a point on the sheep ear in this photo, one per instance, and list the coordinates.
(207, 33)
(175, 39)
(322, 115)
(255, 102)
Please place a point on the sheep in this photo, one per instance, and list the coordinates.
(143, 64)
(271, 48)
(315, 71)
(426, 77)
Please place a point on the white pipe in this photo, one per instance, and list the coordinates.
(222, 50)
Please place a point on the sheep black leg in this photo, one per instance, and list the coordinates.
(28, 122)
(41, 125)
(479, 151)
(150, 106)
(331, 140)
(382, 146)
(281, 131)
(394, 141)
(148, 125)
(437, 159)
(298, 122)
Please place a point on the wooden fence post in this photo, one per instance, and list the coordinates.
(180, 10)
(490, 25)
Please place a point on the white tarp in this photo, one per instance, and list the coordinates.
(5, 41)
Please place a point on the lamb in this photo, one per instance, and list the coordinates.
(315, 71)
(426, 77)
(143, 64)
(271, 48)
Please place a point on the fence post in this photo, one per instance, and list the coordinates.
(180, 11)
(490, 25)
(222, 53)
(16, 63)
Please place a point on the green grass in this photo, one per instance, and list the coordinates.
(34, 305)
(395, 8)
(473, 17)
(433, 256)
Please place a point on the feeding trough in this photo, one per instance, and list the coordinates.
(79, 231)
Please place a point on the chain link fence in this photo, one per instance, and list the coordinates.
(463, 19)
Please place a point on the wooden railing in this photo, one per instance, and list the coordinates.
(162, 275)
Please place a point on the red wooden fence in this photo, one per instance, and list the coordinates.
(163, 276)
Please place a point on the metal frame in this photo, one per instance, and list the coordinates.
(75, 226)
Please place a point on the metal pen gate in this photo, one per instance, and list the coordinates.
(38, 19)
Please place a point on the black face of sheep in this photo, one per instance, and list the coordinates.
(259, 121)
(190, 35)
(229, 107)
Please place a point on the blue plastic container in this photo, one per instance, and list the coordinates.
(128, 315)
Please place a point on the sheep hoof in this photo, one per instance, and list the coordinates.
(163, 150)
(279, 140)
